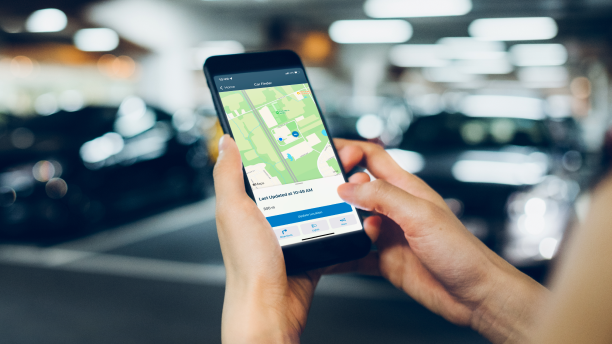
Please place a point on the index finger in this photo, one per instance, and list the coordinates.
(373, 157)
(382, 166)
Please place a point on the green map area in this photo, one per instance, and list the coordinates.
(280, 135)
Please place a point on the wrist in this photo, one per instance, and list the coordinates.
(255, 314)
(509, 311)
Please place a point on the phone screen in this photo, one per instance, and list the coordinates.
(287, 154)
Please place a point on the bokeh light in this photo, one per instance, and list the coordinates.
(121, 67)
(105, 63)
(56, 188)
(43, 171)
(316, 47)
(22, 66)
(71, 100)
(581, 87)
(46, 104)
(473, 132)
(370, 31)
(370, 126)
(47, 20)
(22, 138)
(548, 247)
(7, 196)
(99, 39)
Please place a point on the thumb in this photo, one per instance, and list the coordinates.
(228, 176)
(400, 206)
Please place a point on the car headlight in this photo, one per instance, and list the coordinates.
(537, 220)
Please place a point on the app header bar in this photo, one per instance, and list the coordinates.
(270, 78)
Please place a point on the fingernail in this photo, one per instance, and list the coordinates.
(222, 143)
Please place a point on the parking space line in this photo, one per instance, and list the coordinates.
(106, 264)
(180, 272)
(167, 222)
(37, 256)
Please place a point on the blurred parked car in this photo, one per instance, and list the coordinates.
(505, 178)
(71, 172)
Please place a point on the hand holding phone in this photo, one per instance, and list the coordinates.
(257, 285)
(291, 168)
(262, 303)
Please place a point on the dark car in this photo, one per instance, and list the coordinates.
(73, 172)
(505, 178)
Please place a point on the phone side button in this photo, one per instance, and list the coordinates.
(287, 232)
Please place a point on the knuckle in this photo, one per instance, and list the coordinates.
(428, 209)
(432, 211)
(379, 188)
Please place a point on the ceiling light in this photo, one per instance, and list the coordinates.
(559, 106)
(543, 77)
(416, 8)
(417, 55)
(47, 20)
(503, 106)
(467, 48)
(370, 31)
(513, 29)
(447, 74)
(96, 39)
(488, 66)
(538, 54)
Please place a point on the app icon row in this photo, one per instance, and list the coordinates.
(312, 227)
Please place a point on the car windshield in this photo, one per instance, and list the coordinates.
(446, 132)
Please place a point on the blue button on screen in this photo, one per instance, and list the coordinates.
(309, 214)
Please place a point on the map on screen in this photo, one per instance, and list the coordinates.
(280, 135)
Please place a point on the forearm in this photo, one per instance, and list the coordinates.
(581, 307)
(249, 318)
(510, 310)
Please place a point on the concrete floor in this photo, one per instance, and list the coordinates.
(160, 280)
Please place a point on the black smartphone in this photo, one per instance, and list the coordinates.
(265, 102)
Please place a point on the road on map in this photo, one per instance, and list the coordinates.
(263, 126)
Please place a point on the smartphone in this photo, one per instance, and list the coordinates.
(291, 167)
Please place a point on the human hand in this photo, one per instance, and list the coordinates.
(424, 250)
(262, 304)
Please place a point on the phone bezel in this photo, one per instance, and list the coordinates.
(305, 255)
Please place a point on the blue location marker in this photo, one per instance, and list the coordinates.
(295, 134)
(324, 132)
(280, 138)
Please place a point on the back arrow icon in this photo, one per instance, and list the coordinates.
(221, 88)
